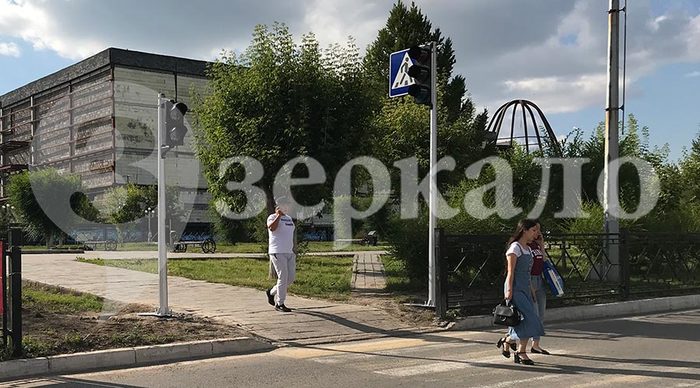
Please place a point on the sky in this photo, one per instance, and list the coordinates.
(552, 52)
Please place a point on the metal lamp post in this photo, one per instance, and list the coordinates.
(7, 211)
(149, 214)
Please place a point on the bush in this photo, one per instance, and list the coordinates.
(228, 230)
(409, 243)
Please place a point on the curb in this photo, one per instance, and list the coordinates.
(596, 311)
(130, 357)
(54, 252)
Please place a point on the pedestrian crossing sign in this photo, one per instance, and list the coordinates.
(399, 80)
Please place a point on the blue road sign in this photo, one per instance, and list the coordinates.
(399, 80)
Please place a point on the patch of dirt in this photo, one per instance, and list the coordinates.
(396, 306)
(48, 333)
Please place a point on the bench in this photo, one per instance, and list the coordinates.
(207, 245)
(351, 240)
(369, 239)
(109, 245)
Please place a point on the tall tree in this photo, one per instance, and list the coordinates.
(123, 205)
(36, 193)
(401, 128)
(633, 143)
(279, 100)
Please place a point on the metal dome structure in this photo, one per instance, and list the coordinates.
(528, 133)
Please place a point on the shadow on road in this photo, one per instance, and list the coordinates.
(383, 332)
(55, 382)
(672, 326)
(548, 365)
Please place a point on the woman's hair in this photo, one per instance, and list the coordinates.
(523, 225)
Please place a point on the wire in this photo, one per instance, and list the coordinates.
(624, 67)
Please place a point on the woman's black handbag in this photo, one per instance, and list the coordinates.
(506, 314)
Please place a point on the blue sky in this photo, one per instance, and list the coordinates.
(549, 51)
(666, 101)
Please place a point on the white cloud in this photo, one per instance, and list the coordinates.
(565, 68)
(334, 22)
(9, 49)
(559, 94)
(552, 52)
(79, 28)
(693, 74)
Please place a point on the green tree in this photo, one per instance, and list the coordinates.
(679, 207)
(125, 204)
(401, 129)
(690, 170)
(279, 100)
(23, 190)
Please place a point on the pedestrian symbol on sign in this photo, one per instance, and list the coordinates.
(402, 78)
(399, 80)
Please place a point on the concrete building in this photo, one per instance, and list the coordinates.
(97, 118)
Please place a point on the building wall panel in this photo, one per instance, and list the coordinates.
(18, 122)
(135, 86)
(135, 126)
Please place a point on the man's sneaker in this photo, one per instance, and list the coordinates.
(282, 308)
(270, 297)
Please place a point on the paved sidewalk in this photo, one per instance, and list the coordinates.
(312, 322)
(112, 255)
(368, 273)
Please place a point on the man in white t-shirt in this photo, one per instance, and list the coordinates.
(282, 251)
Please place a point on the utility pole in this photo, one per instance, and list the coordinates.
(432, 203)
(611, 200)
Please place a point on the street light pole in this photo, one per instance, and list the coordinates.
(7, 211)
(149, 214)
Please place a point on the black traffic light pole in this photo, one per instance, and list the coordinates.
(171, 133)
(423, 73)
(424, 90)
(16, 300)
(12, 303)
(3, 294)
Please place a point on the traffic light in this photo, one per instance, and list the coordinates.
(175, 128)
(420, 71)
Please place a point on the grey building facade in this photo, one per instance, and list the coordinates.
(97, 119)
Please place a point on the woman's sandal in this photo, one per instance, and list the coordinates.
(539, 351)
(520, 360)
(504, 352)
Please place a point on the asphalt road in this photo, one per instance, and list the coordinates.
(647, 351)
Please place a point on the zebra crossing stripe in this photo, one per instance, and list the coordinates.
(435, 367)
(444, 366)
(512, 383)
(320, 351)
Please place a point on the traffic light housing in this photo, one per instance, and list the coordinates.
(175, 128)
(420, 71)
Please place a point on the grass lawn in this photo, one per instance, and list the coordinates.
(397, 279)
(41, 298)
(326, 277)
(243, 247)
(59, 321)
(246, 247)
(327, 246)
(30, 248)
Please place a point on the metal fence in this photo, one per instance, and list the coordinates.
(472, 267)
